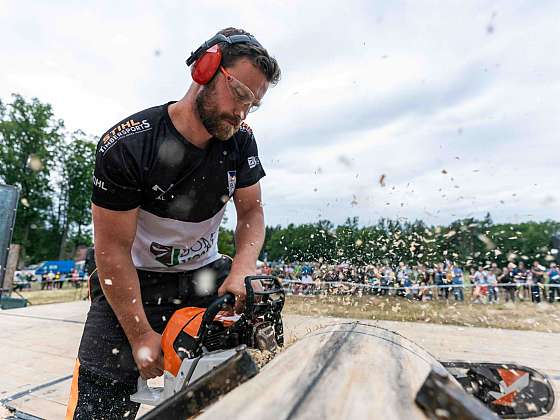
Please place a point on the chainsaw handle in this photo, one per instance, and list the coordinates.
(250, 299)
(213, 309)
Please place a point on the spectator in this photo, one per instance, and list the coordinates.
(537, 272)
(439, 277)
(266, 270)
(50, 279)
(58, 280)
(458, 284)
(75, 278)
(492, 280)
(387, 280)
(521, 280)
(425, 293)
(477, 281)
(508, 278)
(402, 274)
(553, 283)
(409, 290)
(44, 281)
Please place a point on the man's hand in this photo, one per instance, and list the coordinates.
(146, 350)
(235, 283)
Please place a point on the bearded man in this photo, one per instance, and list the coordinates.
(162, 179)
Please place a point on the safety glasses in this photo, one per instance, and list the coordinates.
(240, 92)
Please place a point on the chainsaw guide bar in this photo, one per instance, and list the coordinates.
(206, 389)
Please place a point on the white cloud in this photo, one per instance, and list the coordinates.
(368, 88)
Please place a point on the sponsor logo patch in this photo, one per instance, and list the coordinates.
(171, 256)
(253, 161)
(158, 189)
(231, 180)
(121, 131)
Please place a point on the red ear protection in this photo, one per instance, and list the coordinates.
(206, 66)
(208, 56)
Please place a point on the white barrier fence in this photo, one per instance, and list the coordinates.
(346, 287)
(430, 286)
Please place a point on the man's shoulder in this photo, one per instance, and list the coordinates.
(137, 125)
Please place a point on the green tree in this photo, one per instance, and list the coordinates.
(74, 194)
(226, 239)
(29, 138)
(226, 242)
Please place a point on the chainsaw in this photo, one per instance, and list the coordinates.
(198, 340)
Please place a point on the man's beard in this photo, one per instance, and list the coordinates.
(215, 123)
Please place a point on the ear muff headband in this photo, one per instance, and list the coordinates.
(208, 56)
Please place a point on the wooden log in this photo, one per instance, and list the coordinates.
(348, 370)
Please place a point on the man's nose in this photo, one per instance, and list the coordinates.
(241, 112)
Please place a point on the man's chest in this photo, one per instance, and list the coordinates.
(192, 192)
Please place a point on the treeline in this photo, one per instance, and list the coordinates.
(52, 168)
(467, 242)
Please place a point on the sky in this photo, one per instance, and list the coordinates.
(402, 109)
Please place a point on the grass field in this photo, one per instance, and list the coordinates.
(519, 316)
(68, 293)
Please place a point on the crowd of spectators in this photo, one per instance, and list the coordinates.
(487, 284)
(49, 280)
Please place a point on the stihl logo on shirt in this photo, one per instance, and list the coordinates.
(123, 130)
(99, 184)
(253, 161)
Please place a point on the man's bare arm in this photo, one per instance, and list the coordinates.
(114, 233)
(249, 238)
(249, 232)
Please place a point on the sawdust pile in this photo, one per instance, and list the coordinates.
(261, 357)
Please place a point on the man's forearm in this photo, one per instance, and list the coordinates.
(119, 281)
(249, 239)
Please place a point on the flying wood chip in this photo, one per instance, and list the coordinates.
(382, 180)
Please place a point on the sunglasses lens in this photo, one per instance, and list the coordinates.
(243, 93)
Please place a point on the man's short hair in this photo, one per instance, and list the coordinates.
(258, 55)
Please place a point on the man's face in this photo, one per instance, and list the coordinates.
(220, 110)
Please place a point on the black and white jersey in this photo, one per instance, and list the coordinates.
(181, 190)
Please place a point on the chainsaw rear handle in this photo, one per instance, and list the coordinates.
(274, 288)
(273, 279)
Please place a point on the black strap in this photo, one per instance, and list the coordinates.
(216, 39)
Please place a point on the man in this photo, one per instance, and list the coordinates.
(508, 278)
(439, 277)
(553, 283)
(537, 272)
(458, 283)
(478, 284)
(162, 179)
